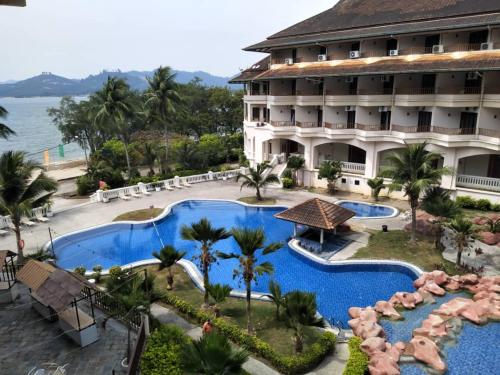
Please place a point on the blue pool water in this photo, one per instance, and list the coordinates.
(337, 287)
(368, 210)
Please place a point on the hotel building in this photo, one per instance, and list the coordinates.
(357, 81)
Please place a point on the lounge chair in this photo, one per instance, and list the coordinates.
(177, 185)
(27, 222)
(185, 183)
(39, 217)
(3, 232)
(122, 196)
(167, 186)
(134, 194)
(145, 191)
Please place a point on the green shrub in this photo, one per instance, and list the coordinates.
(466, 202)
(163, 354)
(287, 173)
(85, 185)
(80, 270)
(483, 205)
(358, 360)
(495, 207)
(287, 183)
(295, 364)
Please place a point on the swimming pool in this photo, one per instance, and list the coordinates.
(369, 211)
(338, 287)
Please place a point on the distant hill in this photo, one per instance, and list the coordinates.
(48, 84)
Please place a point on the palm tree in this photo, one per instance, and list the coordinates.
(204, 233)
(114, 108)
(377, 185)
(414, 170)
(23, 187)
(276, 296)
(213, 355)
(300, 311)
(463, 230)
(161, 98)
(168, 256)
(332, 171)
(5, 131)
(250, 241)
(295, 163)
(256, 178)
(219, 293)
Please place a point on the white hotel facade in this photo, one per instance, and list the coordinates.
(358, 81)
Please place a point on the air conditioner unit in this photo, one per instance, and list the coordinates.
(350, 108)
(289, 61)
(438, 48)
(385, 78)
(322, 57)
(472, 76)
(354, 54)
(349, 79)
(486, 46)
(383, 109)
(393, 52)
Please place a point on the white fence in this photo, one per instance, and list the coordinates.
(356, 168)
(6, 222)
(481, 183)
(176, 182)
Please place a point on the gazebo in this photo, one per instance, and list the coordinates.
(318, 214)
(8, 290)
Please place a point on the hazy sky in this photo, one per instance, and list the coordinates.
(75, 38)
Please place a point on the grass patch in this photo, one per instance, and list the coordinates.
(140, 215)
(253, 200)
(395, 245)
(266, 327)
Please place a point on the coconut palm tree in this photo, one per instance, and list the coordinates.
(250, 241)
(219, 293)
(256, 179)
(113, 106)
(161, 98)
(168, 256)
(23, 187)
(377, 185)
(463, 230)
(332, 171)
(414, 170)
(213, 355)
(300, 311)
(207, 236)
(5, 131)
(295, 163)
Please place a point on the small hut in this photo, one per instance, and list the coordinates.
(318, 215)
(8, 287)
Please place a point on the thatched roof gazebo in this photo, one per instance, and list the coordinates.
(317, 213)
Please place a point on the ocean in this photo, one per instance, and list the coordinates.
(35, 131)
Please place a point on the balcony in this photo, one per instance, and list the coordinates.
(355, 168)
(282, 124)
(255, 99)
(375, 98)
(442, 97)
(434, 129)
(309, 98)
(282, 99)
(479, 183)
(491, 98)
(306, 125)
(341, 97)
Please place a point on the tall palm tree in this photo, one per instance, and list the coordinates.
(161, 98)
(250, 241)
(300, 311)
(463, 230)
(168, 256)
(207, 236)
(213, 354)
(23, 187)
(114, 108)
(5, 131)
(413, 170)
(256, 179)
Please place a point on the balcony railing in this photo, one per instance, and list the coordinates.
(301, 124)
(372, 127)
(341, 92)
(282, 124)
(416, 91)
(480, 183)
(489, 132)
(356, 168)
(339, 126)
(381, 91)
(433, 129)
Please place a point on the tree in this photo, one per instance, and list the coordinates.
(114, 108)
(463, 230)
(256, 179)
(250, 241)
(5, 131)
(377, 185)
(168, 256)
(213, 355)
(295, 163)
(300, 311)
(332, 171)
(161, 98)
(23, 187)
(149, 157)
(219, 293)
(276, 296)
(414, 170)
(207, 236)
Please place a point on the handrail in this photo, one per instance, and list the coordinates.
(478, 182)
(312, 124)
(282, 124)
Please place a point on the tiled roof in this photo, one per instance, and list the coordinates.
(34, 274)
(317, 213)
(252, 72)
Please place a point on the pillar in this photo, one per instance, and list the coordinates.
(450, 161)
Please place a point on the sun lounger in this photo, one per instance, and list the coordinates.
(134, 194)
(39, 217)
(3, 232)
(27, 222)
(145, 191)
(177, 185)
(124, 197)
(185, 183)
(168, 187)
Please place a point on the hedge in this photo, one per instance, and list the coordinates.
(358, 360)
(468, 202)
(296, 364)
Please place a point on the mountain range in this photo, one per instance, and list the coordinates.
(48, 84)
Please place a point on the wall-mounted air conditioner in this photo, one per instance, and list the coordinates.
(438, 48)
(354, 54)
(385, 78)
(349, 79)
(486, 46)
(322, 57)
(393, 52)
(383, 109)
(472, 76)
(350, 108)
(289, 61)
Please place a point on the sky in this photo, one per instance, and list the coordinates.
(75, 38)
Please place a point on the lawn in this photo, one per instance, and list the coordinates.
(395, 245)
(263, 313)
(140, 215)
(253, 200)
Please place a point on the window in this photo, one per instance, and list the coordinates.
(294, 87)
(428, 83)
(322, 51)
(385, 120)
(468, 122)
(355, 46)
(424, 121)
(255, 114)
(351, 119)
(320, 117)
(430, 41)
(292, 116)
(391, 44)
(478, 37)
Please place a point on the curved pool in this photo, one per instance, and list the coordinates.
(369, 211)
(337, 287)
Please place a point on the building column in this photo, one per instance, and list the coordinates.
(371, 163)
(450, 161)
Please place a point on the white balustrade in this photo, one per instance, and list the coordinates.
(356, 168)
(480, 183)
